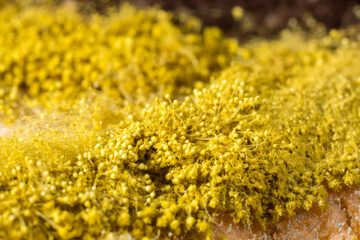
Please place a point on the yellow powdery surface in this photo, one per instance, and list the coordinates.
(130, 124)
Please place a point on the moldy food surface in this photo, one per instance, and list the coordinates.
(126, 123)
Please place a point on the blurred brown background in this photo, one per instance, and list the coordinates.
(267, 16)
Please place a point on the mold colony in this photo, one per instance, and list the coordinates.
(129, 124)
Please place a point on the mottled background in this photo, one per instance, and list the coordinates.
(263, 16)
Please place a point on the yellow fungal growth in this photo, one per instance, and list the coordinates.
(56, 58)
(126, 124)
